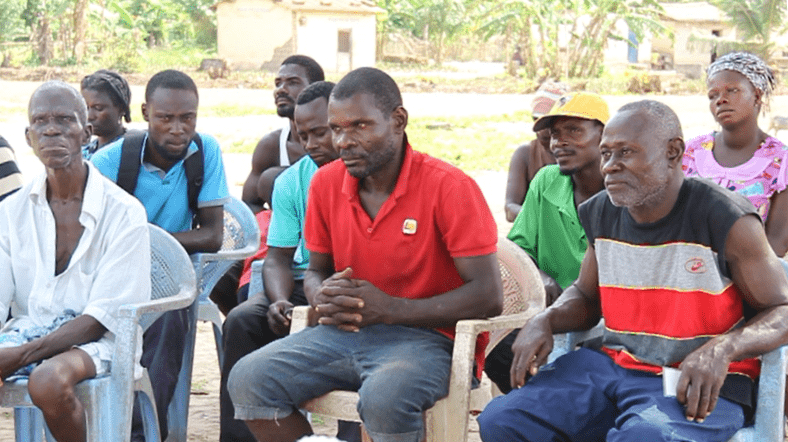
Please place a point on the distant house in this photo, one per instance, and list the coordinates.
(255, 34)
(694, 27)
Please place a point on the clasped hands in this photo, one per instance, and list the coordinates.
(702, 372)
(349, 303)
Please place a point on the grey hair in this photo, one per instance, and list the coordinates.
(662, 119)
(82, 112)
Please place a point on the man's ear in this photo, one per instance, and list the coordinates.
(27, 136)
(88, 132)
(400, 118)
(675, 151)
(144, 109)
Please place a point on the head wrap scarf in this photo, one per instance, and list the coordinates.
(749, 65)
(113, 84)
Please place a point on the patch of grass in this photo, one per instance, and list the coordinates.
(472, 144)
(159, 58)
(239, 146)
(8, 112)
(233, 110)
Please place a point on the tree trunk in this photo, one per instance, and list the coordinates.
(80, 29)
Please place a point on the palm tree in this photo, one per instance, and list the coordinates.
(757, 21)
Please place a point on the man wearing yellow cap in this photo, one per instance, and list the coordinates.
(533, 155)
(548, 227)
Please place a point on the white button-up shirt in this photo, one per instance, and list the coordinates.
(109, 267)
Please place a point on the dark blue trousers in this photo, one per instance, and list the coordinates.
(584, 396)
(162, 354)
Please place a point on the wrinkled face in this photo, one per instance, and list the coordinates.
(363, 135)
(289, 82)
(56, 132)
(311, 121)
(634, 164)
(574, 143)
(732, 98)
(172, 120)
(103, 115)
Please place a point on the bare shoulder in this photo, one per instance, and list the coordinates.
(266, 153)
(522, 153)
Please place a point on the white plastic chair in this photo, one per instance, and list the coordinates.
(108, 399)
(447, 420)
(769, 418)
(241, 240)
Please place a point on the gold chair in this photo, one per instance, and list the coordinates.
(447, 420)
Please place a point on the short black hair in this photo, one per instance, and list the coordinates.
(318, 89)
(114, 85)
(313, 70)
(370, 81)
(170, 79)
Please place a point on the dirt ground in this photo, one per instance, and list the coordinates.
(204, 410)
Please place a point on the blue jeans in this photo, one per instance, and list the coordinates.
(399, 372)
(585, 396)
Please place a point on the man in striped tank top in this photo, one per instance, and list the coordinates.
(682, 273)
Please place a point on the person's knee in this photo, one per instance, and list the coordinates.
(247, 382)
(492, 422)
(50, 388)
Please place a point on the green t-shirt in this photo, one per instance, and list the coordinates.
(548, 227)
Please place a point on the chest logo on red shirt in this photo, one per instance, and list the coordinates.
(695, 265)
(409, 226)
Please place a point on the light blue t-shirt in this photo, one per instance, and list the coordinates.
(165, 195)
(286, 229)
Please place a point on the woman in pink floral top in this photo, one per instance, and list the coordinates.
(742, 157)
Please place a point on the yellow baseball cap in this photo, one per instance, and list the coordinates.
(584, 105)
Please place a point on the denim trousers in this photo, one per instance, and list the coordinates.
(398, 371)
(585, 396)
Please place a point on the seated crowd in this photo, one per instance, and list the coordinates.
(391, 248)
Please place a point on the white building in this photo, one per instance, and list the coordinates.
(338, 34)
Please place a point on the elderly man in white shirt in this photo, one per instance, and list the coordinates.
(73, 248)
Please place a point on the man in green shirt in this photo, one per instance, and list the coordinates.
(548, 227)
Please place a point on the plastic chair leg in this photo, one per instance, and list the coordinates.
(28, 424)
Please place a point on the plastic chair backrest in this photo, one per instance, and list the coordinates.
(108, 399)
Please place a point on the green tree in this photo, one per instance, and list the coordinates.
(439, 21)
(757, 21)
(583, 28)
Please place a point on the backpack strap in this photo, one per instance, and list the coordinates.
(130, 158)
(130, 161)
(194, 166)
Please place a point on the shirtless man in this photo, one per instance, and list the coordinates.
(280, 148)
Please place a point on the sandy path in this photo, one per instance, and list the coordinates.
(204, 410)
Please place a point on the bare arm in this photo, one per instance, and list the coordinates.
(278, 273)
(578, 308)
(279, 284)
(758, 274)
(363, 304)
(777, 223)
(266, 154)
(208, 236)
(517, 182)
(80, 330)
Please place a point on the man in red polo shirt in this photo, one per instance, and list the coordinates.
(402, 246)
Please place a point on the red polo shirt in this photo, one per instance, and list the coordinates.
(435, 213)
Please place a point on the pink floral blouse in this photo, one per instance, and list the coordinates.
(758, 179)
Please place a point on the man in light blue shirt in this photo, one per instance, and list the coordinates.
(170, 109)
